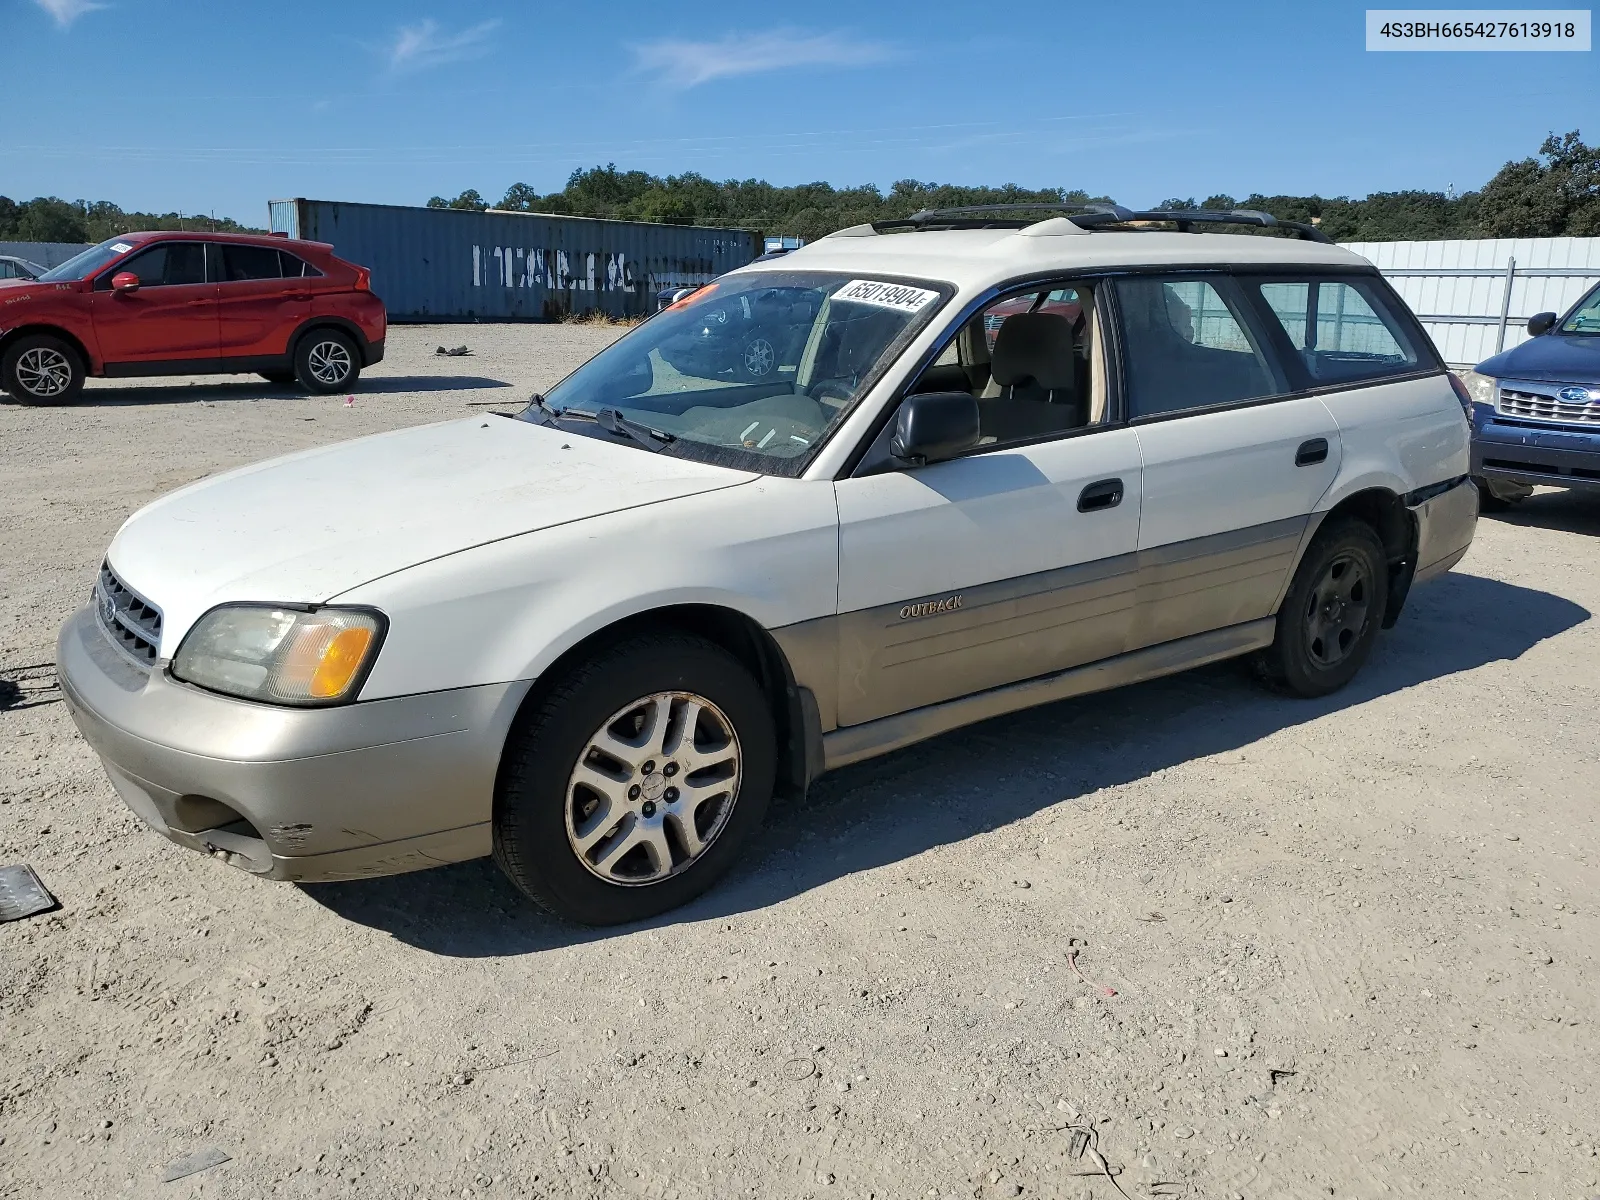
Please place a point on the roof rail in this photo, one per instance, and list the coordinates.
(1092, 216)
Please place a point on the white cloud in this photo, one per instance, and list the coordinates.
(686, 64)
(65, 12)
(423, 45)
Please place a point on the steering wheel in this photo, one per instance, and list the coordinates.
(839, 389)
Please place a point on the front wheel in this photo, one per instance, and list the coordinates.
(326, 361)
(634, 784)
(40, 369)
(1332, 613)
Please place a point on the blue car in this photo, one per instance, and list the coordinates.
(1536, 409)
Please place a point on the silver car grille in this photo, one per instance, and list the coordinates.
(1542, 402)
(131, 622)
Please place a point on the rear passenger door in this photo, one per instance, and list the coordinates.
(257, 308)
(1234, 460)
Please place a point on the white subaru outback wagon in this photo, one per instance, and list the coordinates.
(999, 458)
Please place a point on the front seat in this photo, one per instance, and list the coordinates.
(1034, 366)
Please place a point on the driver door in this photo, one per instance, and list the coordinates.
(1012, 561)
(171, 318)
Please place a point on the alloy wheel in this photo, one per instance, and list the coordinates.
(760, 358)
(43, 372)
(654, 787)
(1338, 610)
(329, 362)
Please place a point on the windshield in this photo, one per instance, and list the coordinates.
(760, 365)
(1586, 317)
(81, 266)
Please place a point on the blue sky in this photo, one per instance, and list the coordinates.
(158, 104)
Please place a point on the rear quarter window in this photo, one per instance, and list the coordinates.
(1342, 330)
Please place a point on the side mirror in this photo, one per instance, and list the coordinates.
(124, 282)
(1541, 323)
(934, 426)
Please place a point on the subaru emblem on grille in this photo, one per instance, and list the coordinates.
(1579, 395)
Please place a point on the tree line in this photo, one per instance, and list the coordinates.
(49, 219)
(1555, 194)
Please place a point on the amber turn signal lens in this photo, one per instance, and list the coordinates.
(340, 662)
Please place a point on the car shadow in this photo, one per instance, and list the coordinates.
(1559, 510)
(120, 396)
(975, 779)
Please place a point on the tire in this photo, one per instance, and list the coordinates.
(40, 369)
(281, 377)
(595, 861)
(326, 360)
(758, 360)
(1332, 613)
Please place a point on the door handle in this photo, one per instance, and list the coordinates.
(298, 296)
(1311, 453)
(1105, 494)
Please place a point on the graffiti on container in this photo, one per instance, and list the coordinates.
(517, 267)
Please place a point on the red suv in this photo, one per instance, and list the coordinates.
(190, 304)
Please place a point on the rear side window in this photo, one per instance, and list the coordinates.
(168, 264)
(249, 262)
(295, 268)
(1341, 329)
(1188, 347)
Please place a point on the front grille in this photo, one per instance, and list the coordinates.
(1525, 402)
(131, 622)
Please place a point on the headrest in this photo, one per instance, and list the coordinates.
(1036, 346)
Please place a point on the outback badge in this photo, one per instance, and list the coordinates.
(928, 607)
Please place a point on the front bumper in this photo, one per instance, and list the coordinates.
(366, 789)
(1554, 456)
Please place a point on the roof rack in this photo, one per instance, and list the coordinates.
(1091, 216)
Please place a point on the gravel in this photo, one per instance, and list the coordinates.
(1406, 998)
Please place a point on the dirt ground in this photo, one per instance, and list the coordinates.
(1352, 942)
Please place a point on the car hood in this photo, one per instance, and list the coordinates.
(304, 528)
(1553, 357)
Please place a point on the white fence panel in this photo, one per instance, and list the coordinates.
(1459, 288)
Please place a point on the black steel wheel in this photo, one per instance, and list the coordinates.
(1332, 613)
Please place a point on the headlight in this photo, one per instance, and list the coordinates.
(1482, 388)
(281, 655)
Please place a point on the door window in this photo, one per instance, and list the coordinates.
(7, 270)
(168, 265)
(1188, 346)
(1032, 360)
(295, 268)
(240, 263)
(1341, 329)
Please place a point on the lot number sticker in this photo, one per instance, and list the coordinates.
(885, 295)
(122, 247)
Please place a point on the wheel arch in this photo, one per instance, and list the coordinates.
(330, 321)
(91, 366)
(1384, 509)
(795, 716)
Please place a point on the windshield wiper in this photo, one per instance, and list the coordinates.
(612, 420)
(547, 414)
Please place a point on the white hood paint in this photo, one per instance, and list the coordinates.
(304, 528)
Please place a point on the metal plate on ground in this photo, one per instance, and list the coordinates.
(193, 1164)
(21, 893)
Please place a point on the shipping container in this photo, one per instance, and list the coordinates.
(443, 264)
(46, 254)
